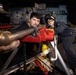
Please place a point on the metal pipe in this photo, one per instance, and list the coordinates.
(62, 61)
(7, 37)
(17, 66)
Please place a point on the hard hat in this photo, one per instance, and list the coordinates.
(49, 17)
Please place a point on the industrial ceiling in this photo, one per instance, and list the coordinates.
(71, 5)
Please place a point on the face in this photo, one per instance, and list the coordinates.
(51, 22)
(34, 22)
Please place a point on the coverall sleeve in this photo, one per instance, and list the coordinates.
(24, 26)
(60, 28)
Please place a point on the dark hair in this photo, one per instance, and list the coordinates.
(35, 14)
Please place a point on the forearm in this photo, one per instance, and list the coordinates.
(11, 46)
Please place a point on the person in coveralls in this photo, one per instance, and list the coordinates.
(66, 36)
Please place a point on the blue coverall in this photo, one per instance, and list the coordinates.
(66, 35)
